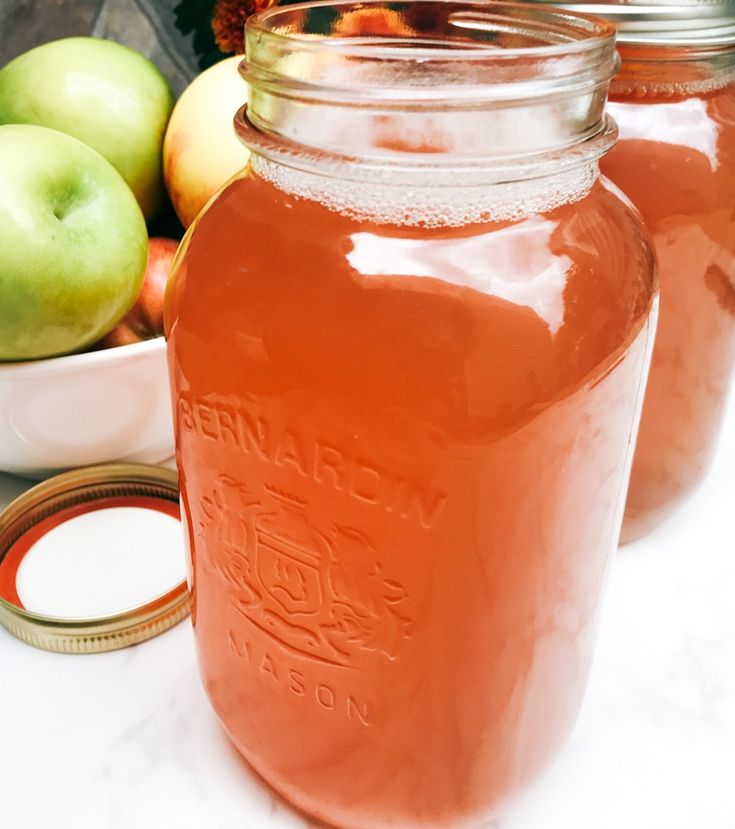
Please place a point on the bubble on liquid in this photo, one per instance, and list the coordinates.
(430, 205)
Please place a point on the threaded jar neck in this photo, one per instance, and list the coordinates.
(707, 25)
(505, 90)
(674, 48)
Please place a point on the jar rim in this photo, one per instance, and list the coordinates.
(467, 55)
(706, 24)
(564, 30)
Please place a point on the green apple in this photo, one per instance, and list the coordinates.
(106, 95)
(73, 244)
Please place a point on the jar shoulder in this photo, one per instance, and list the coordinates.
(573, 285)
(255, 225)
(292, 292)
(705, 123)
(676, 160)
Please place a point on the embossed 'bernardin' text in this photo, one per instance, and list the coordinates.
(322, 461)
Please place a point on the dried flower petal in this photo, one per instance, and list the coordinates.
(228, 22)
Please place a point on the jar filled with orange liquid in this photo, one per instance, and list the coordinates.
(674, 101)
(407, 347)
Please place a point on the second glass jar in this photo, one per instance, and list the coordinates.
(674, 102)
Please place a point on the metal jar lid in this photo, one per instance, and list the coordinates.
(695, 23)
(48, 505)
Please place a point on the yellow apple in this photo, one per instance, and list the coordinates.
(200, 150)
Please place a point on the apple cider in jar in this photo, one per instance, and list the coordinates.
(408, 347)
(674, 102)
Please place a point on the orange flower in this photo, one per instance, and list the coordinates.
(228, 22)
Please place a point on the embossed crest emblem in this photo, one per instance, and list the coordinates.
(318, 591)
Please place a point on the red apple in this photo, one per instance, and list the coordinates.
(121, 334)
(144, 320)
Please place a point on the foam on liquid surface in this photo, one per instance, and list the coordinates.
(430, 204)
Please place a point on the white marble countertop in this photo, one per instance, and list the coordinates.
(127, 740)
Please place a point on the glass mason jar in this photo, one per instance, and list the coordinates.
(674, 101)
(407, 348)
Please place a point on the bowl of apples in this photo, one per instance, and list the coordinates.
(93, 154)
(83, 376)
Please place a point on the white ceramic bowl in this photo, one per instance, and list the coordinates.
(97, 407)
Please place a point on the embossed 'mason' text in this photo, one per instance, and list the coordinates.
(322, 461)
(277, 674)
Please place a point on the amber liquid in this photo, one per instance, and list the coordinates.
(676, 161)
(403, 456)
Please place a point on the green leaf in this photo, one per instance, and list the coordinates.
(195, 17)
